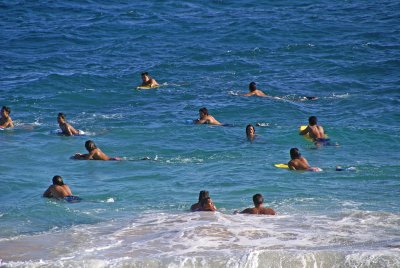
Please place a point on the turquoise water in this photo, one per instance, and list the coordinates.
(84, 59)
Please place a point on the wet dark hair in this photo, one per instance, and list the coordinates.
(252, 86)
(295, 153)
(204, 201)
(204, 110)
(248, 128)
(90, 146)
(7, 109)
(61, 115)
(203, 194)
(312, 120)
(145, 73)
(258, 199)
(57, 180)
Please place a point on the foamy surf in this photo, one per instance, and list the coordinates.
(209, 239)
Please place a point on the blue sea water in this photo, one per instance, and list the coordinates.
(84, 58)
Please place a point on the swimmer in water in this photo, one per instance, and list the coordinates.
(313, 129)
(94, 153)
(259, 208)
(148, 81)
(316, 132)
(206, 118)
(65, 127)
(205, 203)
(250, 132)
(298, 162)
(253, 91)
(5, 119)
(58, 190)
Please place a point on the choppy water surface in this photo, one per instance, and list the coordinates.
(85, 58)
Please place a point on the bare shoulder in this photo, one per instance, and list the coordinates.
(260, 93)
(248, 211)
(194, 207)
(267, 211)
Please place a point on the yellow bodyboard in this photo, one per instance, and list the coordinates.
(301, 128)
(281, 165)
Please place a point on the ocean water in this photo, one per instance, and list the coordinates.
(84, 58)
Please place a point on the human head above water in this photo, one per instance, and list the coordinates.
(90, 146)
(203, 111)
(252, 86)
(203, 194)
(61, 116)
(258, 199)
(312, 120)
(250, 130)
(57, 180)
(206, 203)
(295, 153)
(6, 109)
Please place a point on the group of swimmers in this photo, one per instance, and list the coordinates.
(297, 162)
(61, 190)
(206, 204)
(314, 131)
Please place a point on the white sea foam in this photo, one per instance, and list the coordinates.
(339, 96)
(108, 116)
(26, 126)
(184, 160)
(209, 239)
(233, 93)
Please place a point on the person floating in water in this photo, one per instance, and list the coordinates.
(5, 119)
(58, 190)
(253, 91)
(258, 201)
(313, 129)
(298, 162)
(65, 127)
(250, 132)
(316, 132)
(205, 203)
(94, 153)
(206, 118)
(148, 81)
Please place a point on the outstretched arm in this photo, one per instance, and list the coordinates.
(8, 123)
